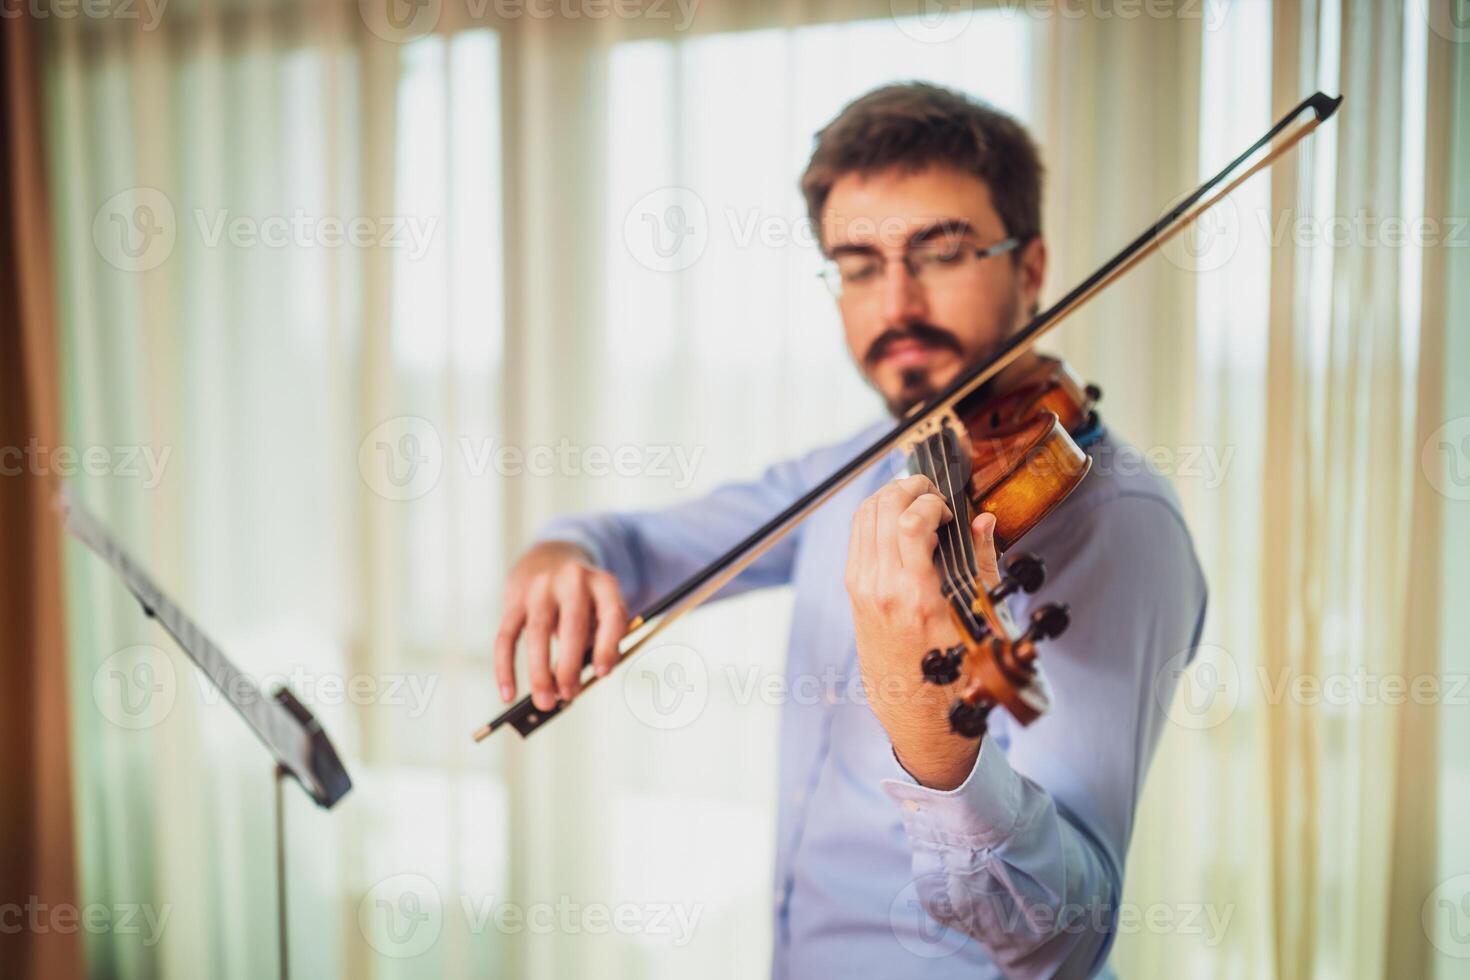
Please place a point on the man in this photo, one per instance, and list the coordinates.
(904, 849)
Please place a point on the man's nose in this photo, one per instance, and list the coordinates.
(904, 298)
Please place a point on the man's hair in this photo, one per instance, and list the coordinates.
(915, 124)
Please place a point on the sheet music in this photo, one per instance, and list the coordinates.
(281, 732)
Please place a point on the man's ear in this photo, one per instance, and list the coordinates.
(1032, 269)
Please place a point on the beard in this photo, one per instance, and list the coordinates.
(917, 384)
(917, 388)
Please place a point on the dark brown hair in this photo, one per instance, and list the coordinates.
(915, 124)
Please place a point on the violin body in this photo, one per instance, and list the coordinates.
(1024, 461)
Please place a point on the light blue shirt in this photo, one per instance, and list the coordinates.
(1019, 871)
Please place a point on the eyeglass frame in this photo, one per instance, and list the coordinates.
(999, 248)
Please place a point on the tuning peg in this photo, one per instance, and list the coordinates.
(1026, 574)
(1094, 393)
(968, 720)
(943, 666)
(1048, 622)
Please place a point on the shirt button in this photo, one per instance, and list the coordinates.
(911, 805)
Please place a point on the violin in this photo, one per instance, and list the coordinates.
(1013, 455)
(1017, 457)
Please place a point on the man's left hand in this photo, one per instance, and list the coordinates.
(899, 614)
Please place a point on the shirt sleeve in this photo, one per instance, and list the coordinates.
(1026, 856)
(650, 552)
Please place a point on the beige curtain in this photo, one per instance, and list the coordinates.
(321, 415)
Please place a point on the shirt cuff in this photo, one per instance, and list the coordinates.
(980, 812)
(569, 533)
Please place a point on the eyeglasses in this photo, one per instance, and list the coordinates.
(932, 264)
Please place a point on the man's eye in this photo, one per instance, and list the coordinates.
(939, 256)
(858, 271)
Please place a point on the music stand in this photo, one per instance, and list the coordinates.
(298, 744)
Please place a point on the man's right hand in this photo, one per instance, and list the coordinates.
(555, 587)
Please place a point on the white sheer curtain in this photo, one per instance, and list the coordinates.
(582, 236)
(281, 261)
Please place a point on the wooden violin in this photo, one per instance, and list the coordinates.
(1014, 457)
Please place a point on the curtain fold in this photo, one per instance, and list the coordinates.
(37, 853)
(299, 395)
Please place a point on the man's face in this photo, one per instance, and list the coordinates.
(911, 336)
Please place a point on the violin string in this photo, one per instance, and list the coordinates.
(923, 457)
(952, 564)
(967, 538)
(959, 526)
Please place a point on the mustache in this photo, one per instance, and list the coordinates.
(923, 333)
